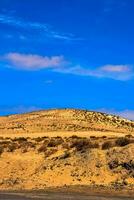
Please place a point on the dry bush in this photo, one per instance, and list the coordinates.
(113, 164)
(104, 137)
(40, 139)
(126, 165)
(4, 143)
(79, 144)
(66, 145)
(83, 144)
(74, 137)
(26, 145)
(55, 142)
(93, 137)
(24, 150)
(49, 152)
(94, 145)
(42, 148)
(12, 147)
(1, 149)
(122, 141)
(107, 145)
(20, 139)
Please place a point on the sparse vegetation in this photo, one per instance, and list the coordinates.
(83, 143)
(66, 120)
(1, 149)
(129, 166)
(11, 147)
(42, 144)
(113, 164)
(55, 142)
(107, 145)
(80, 144)
(90, 157)
(93, 137)
(39, 139)
(20, 139)
(122, 141)
(42, 148)
(49, 152)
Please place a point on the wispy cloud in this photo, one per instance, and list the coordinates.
(128, 114)
(33, 62)
(43, 29)
(12, 21)
(61, 65)
(117, 72)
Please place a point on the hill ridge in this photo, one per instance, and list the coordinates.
(65, 120)
(68, 109)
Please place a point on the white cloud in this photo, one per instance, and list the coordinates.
(117, 72)
(115, 68)
(60, 65)
(33, 62)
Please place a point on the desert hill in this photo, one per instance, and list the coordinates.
(66, 147)
(64, 120)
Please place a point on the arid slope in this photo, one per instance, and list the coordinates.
(78, 157)
(64, 120)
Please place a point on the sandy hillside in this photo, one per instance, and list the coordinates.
(64, 120)
(65, 147)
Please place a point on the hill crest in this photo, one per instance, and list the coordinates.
(65, 120)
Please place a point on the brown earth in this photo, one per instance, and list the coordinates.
(66, 147)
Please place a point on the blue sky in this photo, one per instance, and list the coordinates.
(67, 53)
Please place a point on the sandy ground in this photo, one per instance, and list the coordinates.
(62, 165)
(29, 162)
(64, 134)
